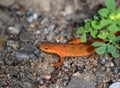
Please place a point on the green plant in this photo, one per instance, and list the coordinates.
(104, 25)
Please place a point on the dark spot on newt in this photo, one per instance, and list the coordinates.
(73, 48)
(46, 47)
(80, 47)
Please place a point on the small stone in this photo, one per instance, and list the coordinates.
(77, 82)
(24, 54)
(26, 36)
(20, 56)
(117, 61)
(12, 44)
(45, 21)
(27, 84)
(4, 17)
(14, 30)
(50, 36)
(1, 70)
(47, 77)
(2, 43)
(29, 19)
(43, 86)
(76, 74)
(6, 3)
(115, 85)
(37, 53)
(29, 16)
(115, 70)
(9, 61)
(35, 16)
(45, 30)
(100, 73)
(101, 61)
(51, 28)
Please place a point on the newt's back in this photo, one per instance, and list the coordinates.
(80, 49)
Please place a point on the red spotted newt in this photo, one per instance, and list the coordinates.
(74, 48)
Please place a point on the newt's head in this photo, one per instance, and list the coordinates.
(47, 47)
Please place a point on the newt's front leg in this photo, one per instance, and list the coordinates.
(59, 63)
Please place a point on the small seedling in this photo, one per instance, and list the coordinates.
(104, 25)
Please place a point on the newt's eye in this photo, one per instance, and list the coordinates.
(46, 47)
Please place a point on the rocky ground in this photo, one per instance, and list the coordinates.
(24, 24)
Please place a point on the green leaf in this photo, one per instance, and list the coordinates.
(118, 23)
(96, 17)
(115, 54)
(93, 33)
(80, 30)
(118, 38)
(111, 48)
(95, 24)
(105, 22)
(101, 49)
(104, 12)
(113, 28)
(97, 44)
(111, 36)
(87, 20)
(102, 36)
(118, 13)
(112, 16)
(87, 25)
(110, 4)
(83, 38)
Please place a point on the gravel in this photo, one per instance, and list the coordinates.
(24, 26)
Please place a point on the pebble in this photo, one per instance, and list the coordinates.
(27, 84)
(24, 54)
(9, 60)
(77, 82)
(4, 17)
(45, 30)
(115, 85)
(115, 70)
(47, 77)
(14, 30)
(37, 53)
(45, 22)
(50, 36)
(12, 44)
(1, 70)
(26, 36)
(100, 73)
(117, 62)
(6, 3)
(101, 61)
(31, 16)
(20, 56)
(2, 43)
(51, 27)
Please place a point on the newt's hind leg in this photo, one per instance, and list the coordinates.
(74, 41)
(59, 63)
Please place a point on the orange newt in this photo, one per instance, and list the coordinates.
(74, 48)
(69, 49)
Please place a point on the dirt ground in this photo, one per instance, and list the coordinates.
(25, 24)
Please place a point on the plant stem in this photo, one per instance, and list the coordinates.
(116, 45)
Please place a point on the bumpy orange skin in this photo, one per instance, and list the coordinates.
(81, 49)
(73, 48)
(69, 49)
